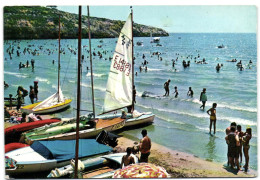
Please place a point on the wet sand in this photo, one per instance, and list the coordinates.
(181, 165)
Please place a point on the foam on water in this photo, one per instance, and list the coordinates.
(19, 75)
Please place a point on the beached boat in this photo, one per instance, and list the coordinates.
(13, 133)
(55, 102)
(47, 155)
(66, 129)
(98, 167)
(120, 85)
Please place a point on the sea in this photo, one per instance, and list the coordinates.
(179, 122)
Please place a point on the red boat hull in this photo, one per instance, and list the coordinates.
(13, 133)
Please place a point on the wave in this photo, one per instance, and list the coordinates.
(151, 69)
(206, 116)
(42, 80)
(19, 75)
(238, 121)
(209, 103)
(95, 75)
(95, 87)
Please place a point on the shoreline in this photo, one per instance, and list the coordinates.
(178, 164)
(183, 165)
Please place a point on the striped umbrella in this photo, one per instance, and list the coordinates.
(141, 170)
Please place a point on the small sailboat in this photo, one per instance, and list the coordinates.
(53, 103)
(120, 85)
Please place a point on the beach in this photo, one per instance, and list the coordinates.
(183, 165)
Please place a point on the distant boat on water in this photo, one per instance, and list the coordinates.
(155, 39)
(221, 46)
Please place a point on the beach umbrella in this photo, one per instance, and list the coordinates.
(141, 170)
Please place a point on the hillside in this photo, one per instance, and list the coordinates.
(37, 22)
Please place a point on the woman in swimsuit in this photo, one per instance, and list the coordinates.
(245, 141)
(212, 117)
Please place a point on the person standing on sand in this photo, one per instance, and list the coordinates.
(232, 140)
(127, 159)
(233, 124)
(203, 98)
(245, 141)
(213, 117)
(145, 146)
(166, 87)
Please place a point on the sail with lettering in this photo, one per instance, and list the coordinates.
(120, 84)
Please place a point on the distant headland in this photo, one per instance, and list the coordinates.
(38, 22)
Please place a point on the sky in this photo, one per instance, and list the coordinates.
(186, 19)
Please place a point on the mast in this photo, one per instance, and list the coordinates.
(91, 71)
(59, 65)
(133, 103)
(78, 96)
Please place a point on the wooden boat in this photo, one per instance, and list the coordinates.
(13, 133)
(99, 167)
(47, 155)
(65, 130)
(54, 103)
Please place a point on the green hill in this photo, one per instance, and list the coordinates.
(37, 22)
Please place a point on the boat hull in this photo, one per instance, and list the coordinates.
(29, 109)
(144, 119)
(83, 134)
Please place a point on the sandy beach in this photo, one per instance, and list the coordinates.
(183, 165)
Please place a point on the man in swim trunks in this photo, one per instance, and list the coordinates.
(127, 159)
(212, 117)
(166, 87)
(145, 146)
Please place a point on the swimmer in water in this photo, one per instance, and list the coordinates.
(176, 92)
(190, 92)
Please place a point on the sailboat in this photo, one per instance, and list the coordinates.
(53, 103)
(88, 127)
(120, 85)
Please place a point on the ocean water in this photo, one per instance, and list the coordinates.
(179, 123)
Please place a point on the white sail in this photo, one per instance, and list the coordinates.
(50, 101)
(119, 85)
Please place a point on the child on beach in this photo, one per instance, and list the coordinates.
(212, 117)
